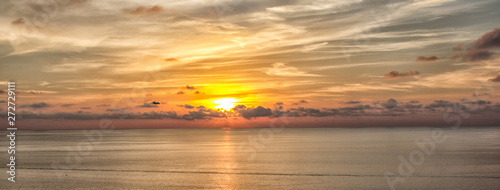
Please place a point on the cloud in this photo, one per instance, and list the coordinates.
(148, 105)
(397, 74)
(103, 105)
(488, 40)
(391, 103)
(352, 102)
(474, 55)
(189, 87)
(36, 92)
(67, 105)
(479, 50)
(496, 79)
(439, 104)
(197, 92)
(147, 10)
(300, 102)
(37, 105)
(3, 101)
(85, 108)
(187, 106)
(427, 59)
(458, 47)
(171, 59)
(181, 93)
(203, 113)
(281, 69)
(117, 109)
(252, 112)
(19, 21)
(2, 91)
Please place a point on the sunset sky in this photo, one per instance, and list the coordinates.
(197, 60)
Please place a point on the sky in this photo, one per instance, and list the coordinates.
(325, 61)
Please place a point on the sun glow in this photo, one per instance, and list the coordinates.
(225, 103)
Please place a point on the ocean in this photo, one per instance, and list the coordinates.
(288, 158)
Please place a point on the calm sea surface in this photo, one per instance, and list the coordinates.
(293, 158)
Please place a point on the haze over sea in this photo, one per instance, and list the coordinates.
(294, 158)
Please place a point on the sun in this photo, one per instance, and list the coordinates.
(225, 103)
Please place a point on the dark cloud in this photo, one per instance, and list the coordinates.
(427, 59)
(300, 102)
(103, 105)
(488, 40)
(397, 74)
(2, 91)
(352, 102)
(181, 93)
(3, 101)
(390, 104)
(19, 21)
(439, 104)
(187, 106)
(391, 107)
(117, 109)
(147, 10)
(496, 79)
(252, 112)
(203, 113)
(479, 50)
(37, 105)
(154, 102)
(478, 102)
(414, 102)
(67, 105)
(279, 103)
(474, 55)
(148, 105)
(189, 87)
(85, 108)
(197, 92)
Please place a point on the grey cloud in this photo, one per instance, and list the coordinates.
(67, 105)
(117, 109)
(148, 105)
(85, 108)
(249, 113)
(391, 103)
(37, 105)
(187, 106)
(189, 87)
(496, 79)
(352, 102)
(427, 59)
(480, 49)
(488, 40)
(397, 74)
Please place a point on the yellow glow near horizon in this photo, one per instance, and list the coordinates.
(225, 103)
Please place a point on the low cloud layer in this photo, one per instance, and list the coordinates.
(390, 107)
(397, 74)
